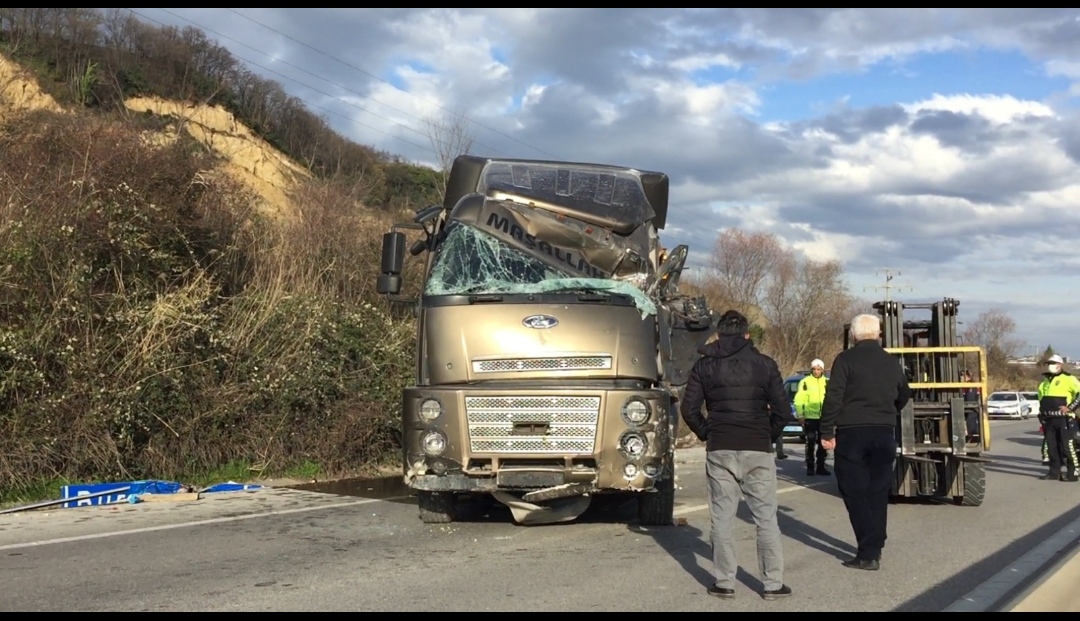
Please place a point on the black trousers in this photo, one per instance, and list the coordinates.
(815, 453)
(1059, 445)
(863, 460)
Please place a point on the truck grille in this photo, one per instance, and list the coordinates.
(576, 363)
(571, 422)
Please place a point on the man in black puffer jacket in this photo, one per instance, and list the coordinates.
(743, 394)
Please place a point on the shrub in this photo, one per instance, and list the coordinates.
(153, 325)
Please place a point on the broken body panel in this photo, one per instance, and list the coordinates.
(552, 340)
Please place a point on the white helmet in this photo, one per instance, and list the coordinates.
(817, 364)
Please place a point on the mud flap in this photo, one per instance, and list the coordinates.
(552, 512)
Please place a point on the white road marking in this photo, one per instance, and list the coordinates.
(251, 516)
(794, 488)
(220, 520)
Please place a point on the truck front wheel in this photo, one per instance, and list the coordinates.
(436, 507)
(657, 508)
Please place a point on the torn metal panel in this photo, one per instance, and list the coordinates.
(570, 244)
(614, 197)
(554, 512)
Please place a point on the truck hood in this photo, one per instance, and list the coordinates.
(467, 343)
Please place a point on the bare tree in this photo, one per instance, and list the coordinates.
(993, 330)
(449, 138)
(806, 304)
(799, 304)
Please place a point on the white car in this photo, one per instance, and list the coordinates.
(1008, 404)
(1033, 399)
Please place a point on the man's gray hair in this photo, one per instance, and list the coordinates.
(865, 327)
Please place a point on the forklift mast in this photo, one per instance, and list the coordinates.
(940, 434)
(925, 339)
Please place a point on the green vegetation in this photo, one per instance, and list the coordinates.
(152, 324)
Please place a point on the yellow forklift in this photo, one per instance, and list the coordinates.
(944, 430)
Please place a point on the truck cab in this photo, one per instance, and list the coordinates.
(552, 340)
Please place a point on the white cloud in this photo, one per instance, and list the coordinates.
(969, 192)
(1000, 109)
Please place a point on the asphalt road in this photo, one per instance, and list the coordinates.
(291, 550)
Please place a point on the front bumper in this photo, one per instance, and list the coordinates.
(532, 439)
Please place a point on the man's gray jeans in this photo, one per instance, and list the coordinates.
(753, 474)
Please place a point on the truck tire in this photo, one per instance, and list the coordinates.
(436, 507)
(657, 508)
(974, 485)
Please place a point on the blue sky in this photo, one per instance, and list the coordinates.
(944, 143)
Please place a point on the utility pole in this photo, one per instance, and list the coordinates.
(888, 287)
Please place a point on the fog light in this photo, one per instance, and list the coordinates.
(433, 442)
(630, 470)
(430, 409)
(652, 470)
(439, 468)
(633, 444)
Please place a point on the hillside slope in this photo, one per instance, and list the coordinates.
(152, 325)
(246, 157)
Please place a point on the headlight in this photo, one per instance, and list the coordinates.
(635, 411)
(633, 445)
(433, 442)
(430, 409)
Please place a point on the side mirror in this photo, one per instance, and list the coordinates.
(393, 260)
(666, 278)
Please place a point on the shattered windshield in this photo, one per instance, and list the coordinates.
(616, 194)
(471, 262)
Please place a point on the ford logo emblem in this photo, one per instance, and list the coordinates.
(540, 322)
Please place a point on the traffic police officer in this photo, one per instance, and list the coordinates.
(808, 400)
(1059, 396)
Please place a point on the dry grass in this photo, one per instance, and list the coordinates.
(154, 323)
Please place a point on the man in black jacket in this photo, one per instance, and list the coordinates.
(867, 390)
(746, 406)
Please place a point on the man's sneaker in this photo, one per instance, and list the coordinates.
(721, 593)
(783, 591)
(823, 472)
(1051, 477)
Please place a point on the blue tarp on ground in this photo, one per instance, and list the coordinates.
(135, 489)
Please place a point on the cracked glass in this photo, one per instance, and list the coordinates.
(471, 262)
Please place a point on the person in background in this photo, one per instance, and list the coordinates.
(808, 400)
(972, 406)
(778, 446)
(1059, 396)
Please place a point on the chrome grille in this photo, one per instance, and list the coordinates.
(576, 363)
(572, 423)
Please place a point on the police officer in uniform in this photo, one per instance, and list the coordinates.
(808, 400)
(1059, 396)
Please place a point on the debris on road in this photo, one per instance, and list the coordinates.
(132, 492)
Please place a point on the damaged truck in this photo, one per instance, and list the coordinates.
(552, 340)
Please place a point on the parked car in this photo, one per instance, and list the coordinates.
(794, 430)
(1008, 404)
(1033, 399)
